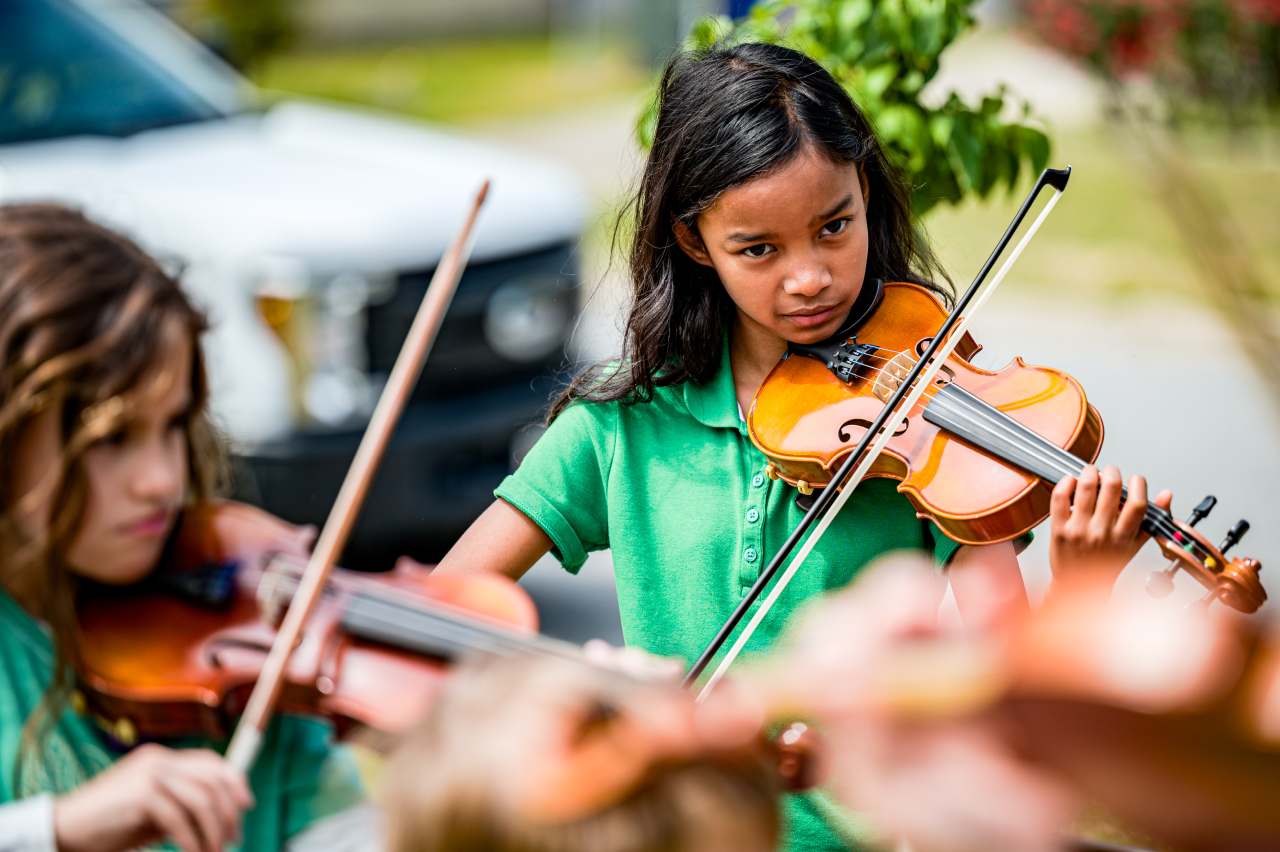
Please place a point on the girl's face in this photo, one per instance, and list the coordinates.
(137, 476)
(790, 247)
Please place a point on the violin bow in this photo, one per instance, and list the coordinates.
(855, 467)
(247, 738)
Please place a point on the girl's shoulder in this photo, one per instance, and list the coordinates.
(604, 397)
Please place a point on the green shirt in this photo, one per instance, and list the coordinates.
(299, 777)
(675, 488)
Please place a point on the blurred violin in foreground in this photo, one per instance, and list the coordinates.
(177, 655)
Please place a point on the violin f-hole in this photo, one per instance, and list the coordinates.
(864, 423)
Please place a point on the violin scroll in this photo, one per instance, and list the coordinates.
(1234, 581)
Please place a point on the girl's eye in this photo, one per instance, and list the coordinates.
(114, 439)
(757, 251)
(837, 226)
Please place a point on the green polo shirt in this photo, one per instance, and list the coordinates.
(675, 488)
(300, 775)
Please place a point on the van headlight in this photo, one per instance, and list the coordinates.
(528, 317)
(321, 324)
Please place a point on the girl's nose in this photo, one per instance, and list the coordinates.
(159, 475)
(807, 279)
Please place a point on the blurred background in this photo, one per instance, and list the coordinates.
(305, 163)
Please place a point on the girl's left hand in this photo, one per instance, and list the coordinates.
(1090, 530)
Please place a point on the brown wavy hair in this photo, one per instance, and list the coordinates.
(728, 115)
(82, 310)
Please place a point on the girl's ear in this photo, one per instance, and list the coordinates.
(690, 243)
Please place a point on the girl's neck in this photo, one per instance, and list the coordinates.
(753, 352)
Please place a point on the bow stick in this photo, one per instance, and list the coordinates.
(855, 467)
(247, 738)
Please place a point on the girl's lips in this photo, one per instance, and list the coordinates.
(811, 320)
(152, 526)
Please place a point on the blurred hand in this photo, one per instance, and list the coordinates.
(581, 738)
(1090, 530)
(193, 798)
(632, 661)
(900, 743)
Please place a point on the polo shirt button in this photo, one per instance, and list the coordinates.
(757, 480)
(753, 515)
(751, 555)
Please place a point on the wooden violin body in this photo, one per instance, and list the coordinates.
(806, 418)
(978, 453)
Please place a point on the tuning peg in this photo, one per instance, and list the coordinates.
(1233, 537)
(1202, 510)
(1160, 583)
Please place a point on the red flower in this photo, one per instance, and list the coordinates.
(1258, 11)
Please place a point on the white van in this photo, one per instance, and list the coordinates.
(309, 233)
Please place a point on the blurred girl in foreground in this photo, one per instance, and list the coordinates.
(104, 438)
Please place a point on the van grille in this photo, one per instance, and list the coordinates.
(462, 361)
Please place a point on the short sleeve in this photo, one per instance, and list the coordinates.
(562, 484)
(321, 777)
(943, 548)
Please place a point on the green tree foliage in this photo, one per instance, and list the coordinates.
(884, 52)
(247, 31)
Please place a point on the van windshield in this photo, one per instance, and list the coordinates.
(65, 72)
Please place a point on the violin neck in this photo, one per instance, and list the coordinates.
(438, 632)
(971, 418)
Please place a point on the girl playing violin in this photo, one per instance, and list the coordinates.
(105, 436)
(766, 206)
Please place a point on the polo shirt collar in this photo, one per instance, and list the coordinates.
(715, 403)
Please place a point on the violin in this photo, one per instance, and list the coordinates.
(980, 451)
(177, 655)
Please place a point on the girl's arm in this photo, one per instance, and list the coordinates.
(502, 540)
(987, 583)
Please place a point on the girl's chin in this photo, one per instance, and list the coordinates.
(806, 333)
(118, 569)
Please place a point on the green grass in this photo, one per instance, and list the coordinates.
(460, 81)
(1110, 238)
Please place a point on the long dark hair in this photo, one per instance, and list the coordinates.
(727, 115)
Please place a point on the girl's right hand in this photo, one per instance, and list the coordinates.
(192, 797)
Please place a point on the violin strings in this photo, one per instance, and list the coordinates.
(497, 635)
(1058, 459)
(1053, 456)
(1066, 463)
(388, 616)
